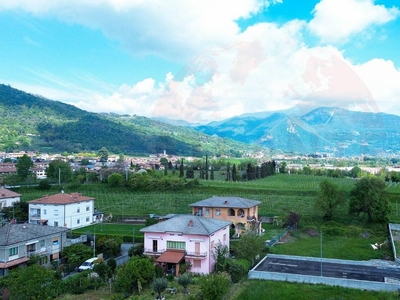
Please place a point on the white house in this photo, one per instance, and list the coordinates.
(186, 238)
(20, 241)
(8, 198)
(62, 210)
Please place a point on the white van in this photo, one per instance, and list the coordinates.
(88, 264)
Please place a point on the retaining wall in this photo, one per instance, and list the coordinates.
(349, 283)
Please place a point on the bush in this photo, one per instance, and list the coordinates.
(136, 250)
(44, 185)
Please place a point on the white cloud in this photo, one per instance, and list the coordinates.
(337, 20)
(265, 68)
(383, 80)
(173, 29)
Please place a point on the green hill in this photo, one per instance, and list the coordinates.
(30, 122)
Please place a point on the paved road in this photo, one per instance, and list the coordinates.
(329, 269)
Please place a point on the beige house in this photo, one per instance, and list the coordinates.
(243, 213)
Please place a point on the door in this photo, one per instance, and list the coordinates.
(197, 248)
(155, 245)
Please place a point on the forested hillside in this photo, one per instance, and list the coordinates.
(29, 122)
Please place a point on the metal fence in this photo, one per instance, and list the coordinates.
(277, 238)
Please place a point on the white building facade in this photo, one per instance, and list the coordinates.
(8, 198)
(62, 210)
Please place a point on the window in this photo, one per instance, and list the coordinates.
(217, 212)
(196, 263)
(42, 243)
(224, 239)
(87, 219)
(212, 245)
(176, 245)
(207, 212)
(78, 210)
(13, 251)
(55, 224)
(44, 211)
(78, 221)
(87, 208)
(231, 212)
(55, 241)
(56, 212)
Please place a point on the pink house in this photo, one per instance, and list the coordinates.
(185, 238)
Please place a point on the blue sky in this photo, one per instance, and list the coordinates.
(206, 60)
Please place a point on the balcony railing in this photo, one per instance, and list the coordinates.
(153, 251)
(196, 254)
(34, 216)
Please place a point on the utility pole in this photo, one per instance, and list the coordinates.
(320, 234)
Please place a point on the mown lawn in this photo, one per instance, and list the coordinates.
(340, 247)
(265, 290)
(128, 230)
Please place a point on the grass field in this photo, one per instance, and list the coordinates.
(279, 195)
(129, 230)
(273, 290)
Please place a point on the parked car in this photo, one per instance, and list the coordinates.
(88, 264)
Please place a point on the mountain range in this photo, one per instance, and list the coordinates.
(326, 130)
(31, 122)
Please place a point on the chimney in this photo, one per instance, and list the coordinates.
(190, 223)
(226, 202)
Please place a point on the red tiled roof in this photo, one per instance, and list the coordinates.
(13, 262)
(4, 193)
(62, 199)
(171, 257)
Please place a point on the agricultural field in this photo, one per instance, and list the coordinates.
(279, 195)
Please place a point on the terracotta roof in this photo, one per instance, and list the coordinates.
(62, 199)
(4, 193)
(171, 257)
(13, 262)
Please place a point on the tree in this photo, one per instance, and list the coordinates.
(24, 165)
(355, 172)
(234, 172)
(59, 170)
(18, 211)
(159, 285)
(184, 280)
(369, 196)
(103, 155)
(136, 269)
(76, 254)
(33, 282)
(282, 167)
(215, 286)
(115, 180)
(181, 173)
(249, 246)
(329, 199)
(220, 254)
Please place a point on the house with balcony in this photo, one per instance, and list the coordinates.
(241, 212)
(63, 210)
(185, 239)
(8, 197)
(18, 242)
